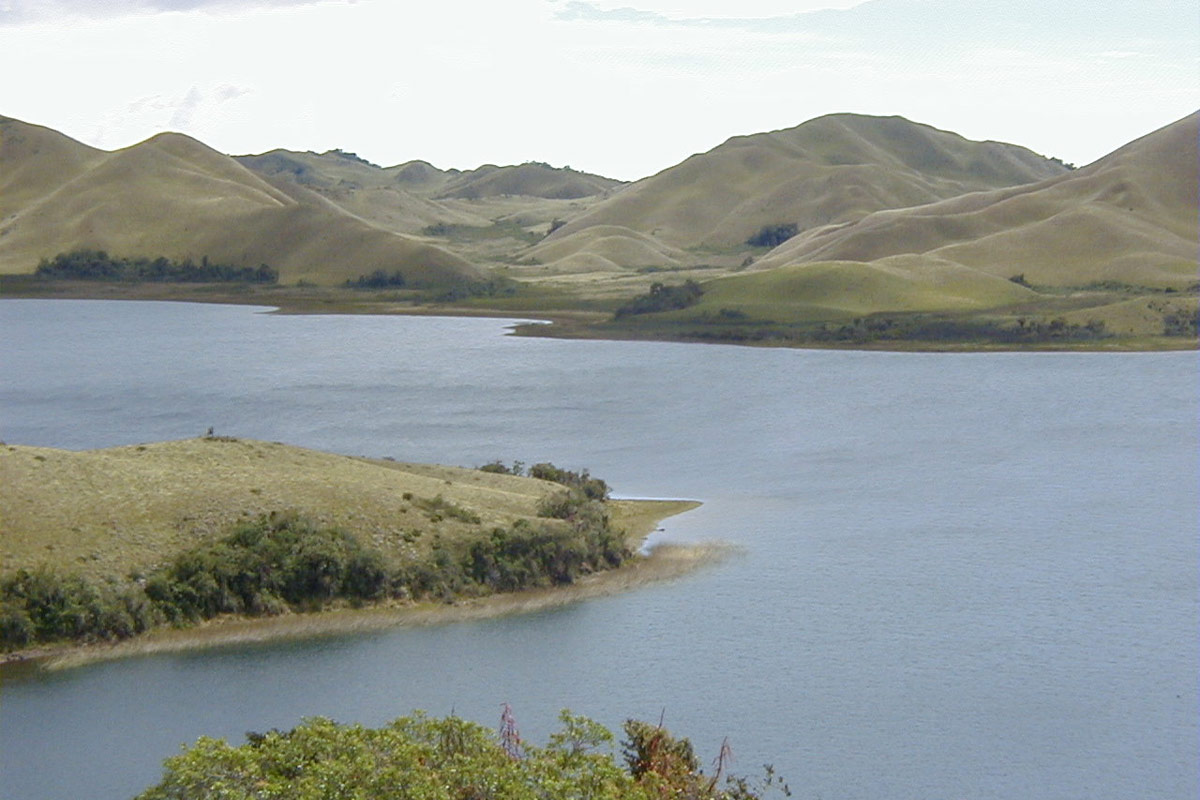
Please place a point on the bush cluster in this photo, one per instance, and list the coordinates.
(379, 279)
(97, 265)
(773, 235)
(451, 759)
(662, 298)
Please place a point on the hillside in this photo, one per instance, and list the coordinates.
(484, 215)
(175, 197)
(109, 512)
(1130, 217)
(830, 170)
(528, 180)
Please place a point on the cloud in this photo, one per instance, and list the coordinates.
(192, 112)
(22, 12)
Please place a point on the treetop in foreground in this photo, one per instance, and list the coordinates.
(425, 758)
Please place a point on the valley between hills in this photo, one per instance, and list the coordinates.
(844, 231)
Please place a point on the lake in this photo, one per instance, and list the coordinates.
(958, 576)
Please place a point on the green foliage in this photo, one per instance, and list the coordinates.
(592, 488)
(45, 605)
(379, 279)
(528, 555)
(773, 235)
(662, 298)
(500, 468)
(97, 265)
(266, 566)
(425, 758)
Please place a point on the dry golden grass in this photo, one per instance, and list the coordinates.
(527, 180)
(1130, 217)
(623, 248)
(109, 512)
(832, 169)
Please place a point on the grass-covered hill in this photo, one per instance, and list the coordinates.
(109, 544)
(484, 215)
(396, 198)
(109, 512)
(172, 196)
(830, 170)
(1130, 217)
(1104, 254)
(528, 180)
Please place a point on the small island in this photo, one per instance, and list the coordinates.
(220, 539)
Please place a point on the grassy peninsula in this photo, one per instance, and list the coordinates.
(197, 541)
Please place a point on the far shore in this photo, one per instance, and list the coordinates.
(663, 562)
(547, 322)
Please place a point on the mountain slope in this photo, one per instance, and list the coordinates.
(1130, 217)
(528, 180)
(829, 170)
(173, 196)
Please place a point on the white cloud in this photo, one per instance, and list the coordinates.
(18, 12)
(461, 83)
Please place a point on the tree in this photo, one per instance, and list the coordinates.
(773, 235)
(424, 758)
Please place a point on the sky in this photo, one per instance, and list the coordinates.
(623, 88)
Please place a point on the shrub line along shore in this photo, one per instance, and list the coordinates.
(663, 563)
(536, 320)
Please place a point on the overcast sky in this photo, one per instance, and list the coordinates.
(620, 87)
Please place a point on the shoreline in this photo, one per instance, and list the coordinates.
(540, 323)
(664, 562)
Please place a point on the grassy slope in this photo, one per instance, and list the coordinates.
(107, 512)
(528, 180)
(486, 215)
(1130, 217)
(173, 196)
(832, 290)
(829, 170)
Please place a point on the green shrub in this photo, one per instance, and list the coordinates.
(773, 235)
(662, 298)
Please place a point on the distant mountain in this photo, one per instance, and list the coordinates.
(397, 199)
(413, 197)
(528, 180)
(174, 196)
(1130, 217)
(830, 170)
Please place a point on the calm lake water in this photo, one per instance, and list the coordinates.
(962, 576)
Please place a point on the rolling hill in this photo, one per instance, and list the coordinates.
(528, 180)
(174, 196)
(107, 512)
(830, 170)
(1129, 218)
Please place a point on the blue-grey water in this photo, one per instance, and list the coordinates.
(962, 576)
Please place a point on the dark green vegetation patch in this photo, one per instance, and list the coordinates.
(97, 265)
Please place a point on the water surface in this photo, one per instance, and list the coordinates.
(968, 576)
